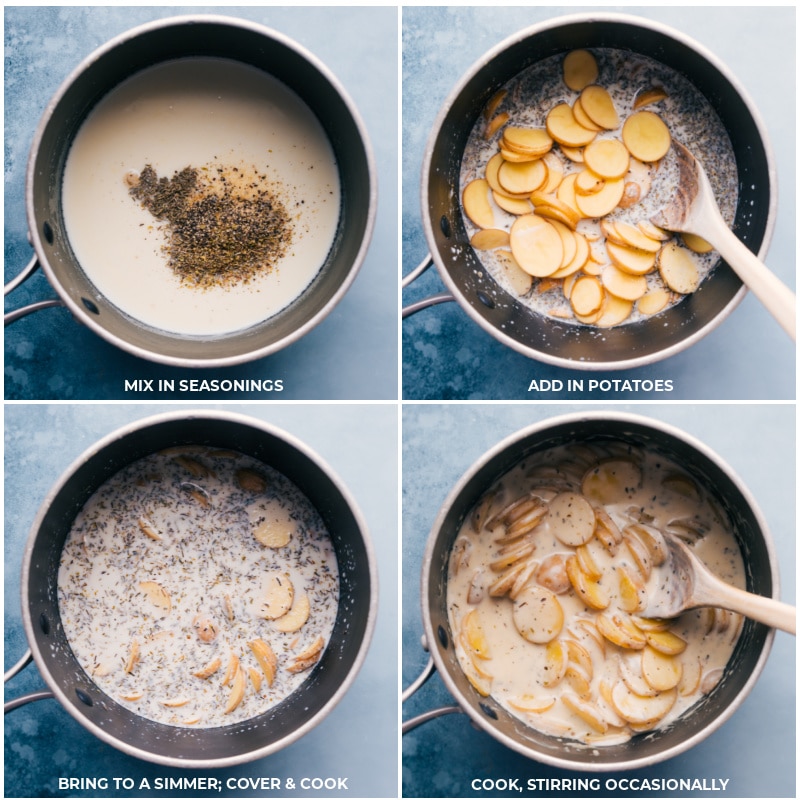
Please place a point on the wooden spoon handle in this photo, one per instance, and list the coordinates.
(759, 279)
(762, 609)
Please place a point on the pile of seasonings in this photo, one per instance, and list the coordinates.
(223, 225)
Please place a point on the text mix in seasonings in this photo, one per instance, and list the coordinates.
(198, 587)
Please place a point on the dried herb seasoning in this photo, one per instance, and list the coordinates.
(224, 225)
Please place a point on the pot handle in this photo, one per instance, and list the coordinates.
(26, 698)
(426, 673)
(18, 313)
(443, 297)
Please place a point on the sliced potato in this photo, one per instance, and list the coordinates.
(608, 158)
(565, 129)
(611, 482)
(520, 280)
(630, 670)
(623, 284)
(653, 301)
(588, 182)
(678, 269)
(522, 178)
(696, 243)
(615, 311)
(477, 207)
(649, 96)
(495, 123)
(586, 298)
(552, 573)
(579, 69)
(620, 630)
(474, 636)
(646, 136)
(533, 705)
(589, 591)
(623, 233)
(266, 658)
(530, 141)
(556, 661)
(296, 617)
(632, 597)
(157, 595)
(603, 202)
(237, 691)
(599, 106)
(489, 239)
(582, 118)
(641, 710)
(494, 103)
(551, 207)
(587, 711)
(512, 205)
(572, 518)
(278, 596)
(537, 614)
(536, 245)
(663, 672)
(666, 642)
(631, 260)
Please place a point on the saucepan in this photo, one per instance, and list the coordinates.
(500, 314)
(233, 744)
(100, 73)
(746, 522)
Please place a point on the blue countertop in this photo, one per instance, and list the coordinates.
(755, 750)
(44, 744)
(446, 355)
(352, 354)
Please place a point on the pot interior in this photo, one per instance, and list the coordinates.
(183, 39)
(245, 740)
(745, 663)
(549, 339)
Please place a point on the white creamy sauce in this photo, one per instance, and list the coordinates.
(528, 678)
(689, 117)
(204, 113)
(164, 584)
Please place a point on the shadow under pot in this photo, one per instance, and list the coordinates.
(501, 313)
(336, 260)
(727, 493)
(118, 724)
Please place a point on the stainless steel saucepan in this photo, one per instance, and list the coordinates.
(746, 523)
(501, 314)
(99, 74)
(233, 744)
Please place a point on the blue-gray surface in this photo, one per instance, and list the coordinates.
(352, 354)
(755, 750)
(357, 741)
(448, 356)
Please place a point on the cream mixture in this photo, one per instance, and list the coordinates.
(547, 584)
(198, 587)
(210, 114)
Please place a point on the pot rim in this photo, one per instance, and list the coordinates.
(88, 319)
(542, 426)
(154, 756)
(483, 61)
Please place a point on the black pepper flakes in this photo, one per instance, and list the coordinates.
(223, 226)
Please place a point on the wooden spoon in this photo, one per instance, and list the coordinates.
(691, 585)
(693, 209)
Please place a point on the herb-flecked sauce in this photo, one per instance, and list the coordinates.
(176, 565)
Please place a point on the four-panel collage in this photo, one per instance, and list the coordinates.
(400, 401)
